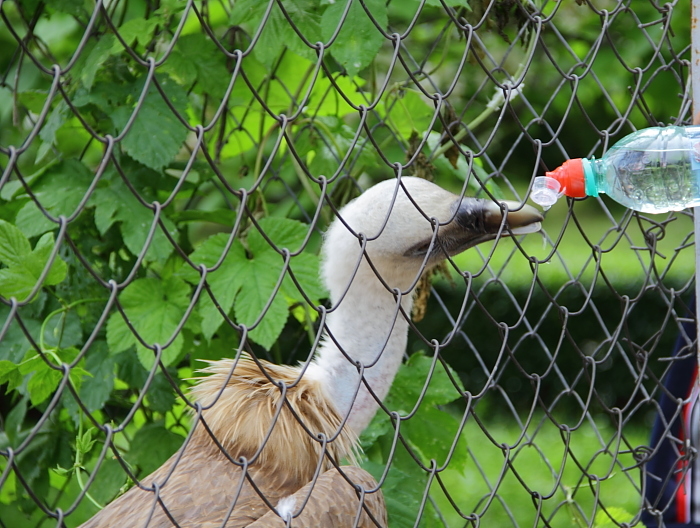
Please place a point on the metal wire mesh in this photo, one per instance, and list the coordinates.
(136, 133)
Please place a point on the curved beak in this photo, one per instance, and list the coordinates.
(477, 220)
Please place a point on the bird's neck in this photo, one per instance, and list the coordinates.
(367, 327)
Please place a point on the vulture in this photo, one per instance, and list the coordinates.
(268, 446)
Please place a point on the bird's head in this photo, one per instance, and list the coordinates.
(410, 226)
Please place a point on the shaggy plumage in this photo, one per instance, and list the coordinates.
(373, 256)
(245, 411)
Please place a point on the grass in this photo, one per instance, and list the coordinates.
(516, 479)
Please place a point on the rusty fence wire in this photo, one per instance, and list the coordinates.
(137, 135)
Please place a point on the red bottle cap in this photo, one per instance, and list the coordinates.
(571, 177)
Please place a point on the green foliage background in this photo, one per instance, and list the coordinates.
(156, 154)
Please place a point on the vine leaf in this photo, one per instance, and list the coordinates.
(264, 272)
(224, 282)
(96, 388)
(113, 203)
(359, 39)
(156, 134)
(152, 445)
(43, 379)
(105, 48)
(408, 112)
(254, 296)
(278, 32)
(154, 307)
(24, 265)
(245, 282)
(59, 188)
(411, 378)
(197, 58)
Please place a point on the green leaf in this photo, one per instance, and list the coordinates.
(438, 3)
(119, 336)
(45, 378)
(14, 246)
(161, 396)
(10, 374)
(247, 11)
(326, 100)
(225, 217)
(108, 201)
(32, 221)
(322, 149)
(359, 40)
(15, 344)
(378, 427)
(130, 371)
(104, 48)
(84, 443)
(283, 232)
(62, 471)
(259, 281)
(59, 189)
(23, 274)
(57, 118)
(463, 171)
(184, 72)
(224, 282)
(260, 275)
(197, 57)
(95, 390)
(114, 203)
(305, 267)
(154, 307)
(42, 384)
(33, 362)
(619, 515)
(411, 378)
(403, 492)
(71, 7)
(105, 95)
(37, 260)
(278, 32)
(14, 421)
(151, 446)
(63, 329)
(420, 433)
(110, 478)
(15, 282)
(156, 135)
(33, 100)
(138, 29)
(408, 112)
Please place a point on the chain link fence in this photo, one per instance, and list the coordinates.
(168, 169)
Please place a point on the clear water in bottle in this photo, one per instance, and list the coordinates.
(654, 170)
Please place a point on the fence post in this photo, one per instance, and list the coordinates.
(695, 85)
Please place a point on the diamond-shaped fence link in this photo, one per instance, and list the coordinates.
(167, 172)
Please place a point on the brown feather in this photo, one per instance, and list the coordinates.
(335, 502)
(239, 409)
(246, 404)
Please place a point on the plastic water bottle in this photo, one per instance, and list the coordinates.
(654, 170)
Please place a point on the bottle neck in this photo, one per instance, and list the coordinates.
(591, 168)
